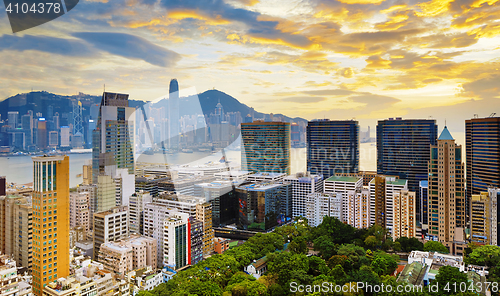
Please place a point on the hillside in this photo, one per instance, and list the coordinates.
(39, 101)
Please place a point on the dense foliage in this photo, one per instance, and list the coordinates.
(333, 252)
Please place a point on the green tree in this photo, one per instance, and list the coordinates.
(397, 247)
(410, 244)
(371, 242)
(298, 245)
(434, 246)
(317, 266)
(384, 264)
(448, 278)
(485, 256)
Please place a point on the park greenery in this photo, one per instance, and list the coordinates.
(332, 252)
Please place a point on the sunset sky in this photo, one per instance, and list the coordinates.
(363, 59)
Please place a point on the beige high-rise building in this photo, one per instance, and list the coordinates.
(484, 217)
(87, 174)
(204, 214)
(79, 204)
(16, 229)
(357, 208)
(110, 225)
(129, 254)
(106, 193)
(447, 207)
(404, 215)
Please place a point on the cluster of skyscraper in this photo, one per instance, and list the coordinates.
(410, 151)
(137, 215)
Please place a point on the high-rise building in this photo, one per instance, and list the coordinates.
(303, 184)
(131, 253)
(357, 207)
(50, 201)
(154, 218)
(204, 214)
(484, 217)
(403, 150)
(3, 185)
(320, 205)
(13, 117)
(263, 206)
(332, 147)
(105, 198)
(16, 231)
(112, 143)
(109, 226)
(265, 147)
(53, 139)
(482, 154)
(65, 132)
(136, 210)
(79, 210)
(173, 114)
(446, 191)
(196, 228)
(222, 196)
(177, 240)
(404, 219)
(424, 197)
(42, 134)
(382, 192)
(87, 174)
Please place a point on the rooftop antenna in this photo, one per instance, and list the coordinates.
(493, 114)
(445, 122)
(104, 87)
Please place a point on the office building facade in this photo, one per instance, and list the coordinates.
(320, 205)
(404, 215)
(403, 150)
(112, 140)
(446, 192)
(263, 206)
(50, 201)
(265, 147)
(482, 142)
(303, 184)
(332, 147)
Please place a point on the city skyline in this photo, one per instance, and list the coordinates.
(351, 58)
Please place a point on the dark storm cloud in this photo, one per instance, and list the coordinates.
(53, 45)
(131, 47)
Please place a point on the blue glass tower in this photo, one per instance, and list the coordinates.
(266, 147)
(403, 149)
(332, 147)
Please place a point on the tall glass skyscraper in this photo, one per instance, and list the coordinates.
(482, 154)
(266, 147)
(173, 114)
(403, 149)
(332, 147)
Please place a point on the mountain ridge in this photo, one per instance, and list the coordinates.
(39, 101)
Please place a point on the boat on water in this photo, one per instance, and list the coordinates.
(187, 150)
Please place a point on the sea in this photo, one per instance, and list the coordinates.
(19, 169)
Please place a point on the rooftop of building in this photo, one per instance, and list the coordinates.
(445, 135)
(343, 179)
(260, 186)
(114, 210)
(233, 173)
(303, 176)
(267, 175)
(392, 181)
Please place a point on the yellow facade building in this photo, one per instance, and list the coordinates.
(50, 220)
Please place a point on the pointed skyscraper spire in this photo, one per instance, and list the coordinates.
(445, 134)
